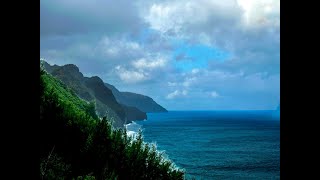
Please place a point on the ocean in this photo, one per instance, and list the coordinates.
(217, 144)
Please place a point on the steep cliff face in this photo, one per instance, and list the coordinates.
(143, 103)
(104, 95)
(93, 89)
(80, 145)
(71, 76)
(134, 114)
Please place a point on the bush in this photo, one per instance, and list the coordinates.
(76, 144)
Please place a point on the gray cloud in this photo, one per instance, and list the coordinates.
(99, 36)
(250, 34)
(60, 17)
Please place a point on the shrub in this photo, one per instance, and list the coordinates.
(76, 144)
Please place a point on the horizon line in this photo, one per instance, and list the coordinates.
(225, 110)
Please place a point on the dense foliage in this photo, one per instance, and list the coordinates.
(76, 144)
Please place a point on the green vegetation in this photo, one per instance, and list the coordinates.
(94, 89)
(76, 144)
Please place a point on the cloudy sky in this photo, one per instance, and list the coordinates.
(185, 54)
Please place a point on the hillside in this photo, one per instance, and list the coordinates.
(76, 144)
(143, 103)
(93, 89)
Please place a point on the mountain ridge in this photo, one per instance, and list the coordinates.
(93, 89)
(123, 107)
(142, 102)
(76, 144)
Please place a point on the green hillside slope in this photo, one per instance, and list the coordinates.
(76, 144)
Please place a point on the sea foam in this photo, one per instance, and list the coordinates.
(132, 128)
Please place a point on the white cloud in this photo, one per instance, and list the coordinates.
(184, 92)
(248, 29)
(112, 51)
(189, 81)
(131, 76)
(118, 47)
(172, 84)
(177, 93)
(173, 94)
(177, 15)
(174, 16)
(132, 45)
(260, 13)
(149, 64)
(223, 75)
(195, 71)
(214, 94)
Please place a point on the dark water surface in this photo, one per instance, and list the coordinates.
(218, 144)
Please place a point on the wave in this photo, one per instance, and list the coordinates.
(133, 128)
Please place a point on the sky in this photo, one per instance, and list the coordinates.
(185, 54)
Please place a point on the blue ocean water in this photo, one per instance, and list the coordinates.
(217, 144)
